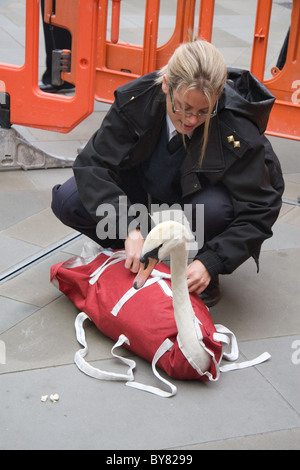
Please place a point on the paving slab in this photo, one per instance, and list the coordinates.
(14, 252)
(277, 440)
(283, 370)
(33, 285)
(114, 416)
(50, 231)
(262, 305)
(12, 313)
(46, 338)
(17, 206)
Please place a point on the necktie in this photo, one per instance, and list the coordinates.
(175, 143)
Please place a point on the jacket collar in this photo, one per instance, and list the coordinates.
(149, 100)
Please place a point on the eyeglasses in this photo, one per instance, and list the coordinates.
(188, 114)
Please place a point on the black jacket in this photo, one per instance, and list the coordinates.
(251, 172)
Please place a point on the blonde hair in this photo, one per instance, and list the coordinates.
(197, 64)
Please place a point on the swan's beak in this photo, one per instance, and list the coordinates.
(144, 272)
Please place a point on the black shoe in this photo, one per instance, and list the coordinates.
(49, 88)
(211, 295)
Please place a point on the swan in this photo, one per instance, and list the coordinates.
(173, 238)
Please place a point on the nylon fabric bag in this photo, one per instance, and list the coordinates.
(140, 320)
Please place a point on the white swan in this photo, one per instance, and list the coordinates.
(173, 238)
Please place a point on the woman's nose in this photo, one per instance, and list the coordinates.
(193, 119)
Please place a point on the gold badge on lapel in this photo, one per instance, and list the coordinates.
(236, 143)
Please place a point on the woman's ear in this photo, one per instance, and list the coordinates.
(165, 85)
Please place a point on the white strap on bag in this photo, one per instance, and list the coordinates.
(165, 346)
(86, 368)
(114, 257)
(243, 365)
(231, 351)
(131, 292)
(99, 374)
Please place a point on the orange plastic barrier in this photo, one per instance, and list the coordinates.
(29, 105)
(285, 84)
(99, 65)
(118, 62)
(206, 19)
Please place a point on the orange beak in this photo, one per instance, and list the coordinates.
(145, 270)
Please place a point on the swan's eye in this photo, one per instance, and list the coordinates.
(150, 254)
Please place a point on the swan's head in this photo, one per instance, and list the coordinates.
(160, 242)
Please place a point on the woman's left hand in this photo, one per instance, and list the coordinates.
(198, 277)
(133, 249)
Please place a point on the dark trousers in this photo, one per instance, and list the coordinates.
(55, 38)
(67, 206)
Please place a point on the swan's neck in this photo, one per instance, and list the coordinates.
(183, 310)
(181, 298)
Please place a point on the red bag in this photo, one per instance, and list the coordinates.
(141, 320)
